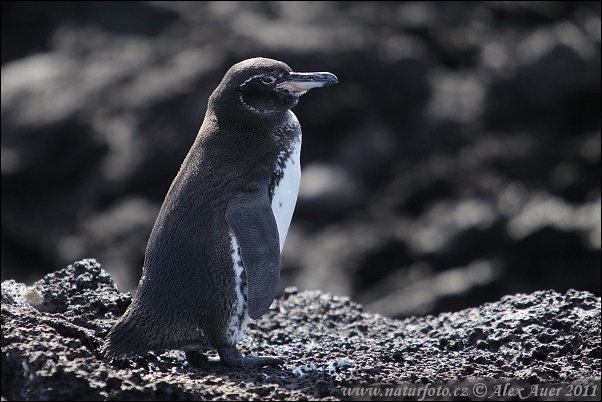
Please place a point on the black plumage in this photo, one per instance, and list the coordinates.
(193, 294)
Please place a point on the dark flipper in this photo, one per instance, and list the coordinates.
(250, 217)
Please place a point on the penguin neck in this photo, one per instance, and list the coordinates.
(242, 108)
(256, 111)
(248, 119)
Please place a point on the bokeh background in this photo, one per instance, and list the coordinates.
(457, 160)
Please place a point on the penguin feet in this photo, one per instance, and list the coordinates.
(231, 357)
(196, 358)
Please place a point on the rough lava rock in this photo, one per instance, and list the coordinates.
(53, 330)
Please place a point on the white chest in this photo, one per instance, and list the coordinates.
(286, 191)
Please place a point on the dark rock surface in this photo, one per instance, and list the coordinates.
(457, 160)
(52, 332)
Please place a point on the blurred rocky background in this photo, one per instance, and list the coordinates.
(457, 160)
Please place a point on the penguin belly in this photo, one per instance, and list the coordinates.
(286, 190)
(284, 199)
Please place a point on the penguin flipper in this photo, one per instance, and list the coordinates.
(249, 215)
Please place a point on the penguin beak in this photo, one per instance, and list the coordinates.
(299, 83)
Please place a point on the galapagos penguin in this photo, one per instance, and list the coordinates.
(213, 257)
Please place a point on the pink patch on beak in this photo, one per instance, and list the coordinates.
(289, 86)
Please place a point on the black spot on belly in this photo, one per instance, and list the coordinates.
(280, 204)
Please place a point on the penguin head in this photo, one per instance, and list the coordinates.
(265, 87)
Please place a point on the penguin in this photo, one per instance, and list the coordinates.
(213, 257)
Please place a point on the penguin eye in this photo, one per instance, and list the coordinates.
(266, 79)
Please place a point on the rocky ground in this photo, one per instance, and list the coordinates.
(457, 161)
(53, 330)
